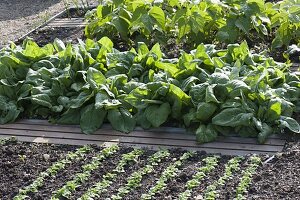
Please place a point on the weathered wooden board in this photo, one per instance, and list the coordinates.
(165, 137)
(67, 22)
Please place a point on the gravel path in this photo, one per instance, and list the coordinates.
(17, 17)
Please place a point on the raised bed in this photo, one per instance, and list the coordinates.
(41, 171)
(69, 28)
(44, 167)
(158, 174)
(41, 131)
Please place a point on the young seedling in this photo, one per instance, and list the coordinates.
(134, 180)
(170, 172)
(108, 178)
(79, 178)
(245, 181)
(232, 166)
(52, 171)
(4, 141)
(210, 164)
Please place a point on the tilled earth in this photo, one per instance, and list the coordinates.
(18, 17)
(278, 177)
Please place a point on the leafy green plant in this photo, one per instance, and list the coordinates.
(254, 162)
(202, 172)
(79, 178)
(193, 23)
(109, 177)
(5, 141)
(170, 172)
(209, 91)
(134, 180)
(52, 171)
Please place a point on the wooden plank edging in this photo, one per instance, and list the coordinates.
(155, 147)
(176, 134)
(143, 140)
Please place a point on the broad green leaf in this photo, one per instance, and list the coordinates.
(168, 67)
(232, 117)
(198, 93)
(33, 51)
(189, 117)
(42, 99)
(121, 120)
(158, 14)
(206, 133)
(142, 120)
(205, 111)
(158, 114)
(244, 24)
(8, 91)
(265, 132)
(290, 123)
(91, 119)
(80, 99)
(71, 116)
(122, 25)
(59, 45)
(247, 131)
(274, 111)
(8, 110)
(102, 100)
(209, 94)
(95, 78)
(136, 97)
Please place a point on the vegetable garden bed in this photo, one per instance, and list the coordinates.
(41, 171)
(154, 75)
(156, 70)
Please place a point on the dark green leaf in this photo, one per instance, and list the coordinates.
(91, 119)
(158, 114)
(121, 120)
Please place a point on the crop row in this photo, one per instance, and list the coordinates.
(52, 171)
(108, 178)
(135, 180)
(79, 178)
(208, 91)
(196, 22)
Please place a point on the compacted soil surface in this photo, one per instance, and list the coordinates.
(47, 35)
(279, 178)
(21, 165)
(18, 17)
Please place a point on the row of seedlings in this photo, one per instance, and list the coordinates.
(202, 172)
(108, 178)
(231, 166)
(58, 166)
(135, 179)
(170, 172)
(83, 176)
(245, 181)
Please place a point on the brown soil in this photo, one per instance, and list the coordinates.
(278, 178)
(47, 35)
(20, 163)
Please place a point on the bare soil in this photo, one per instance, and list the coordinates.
(18, 17)
(278, 177)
